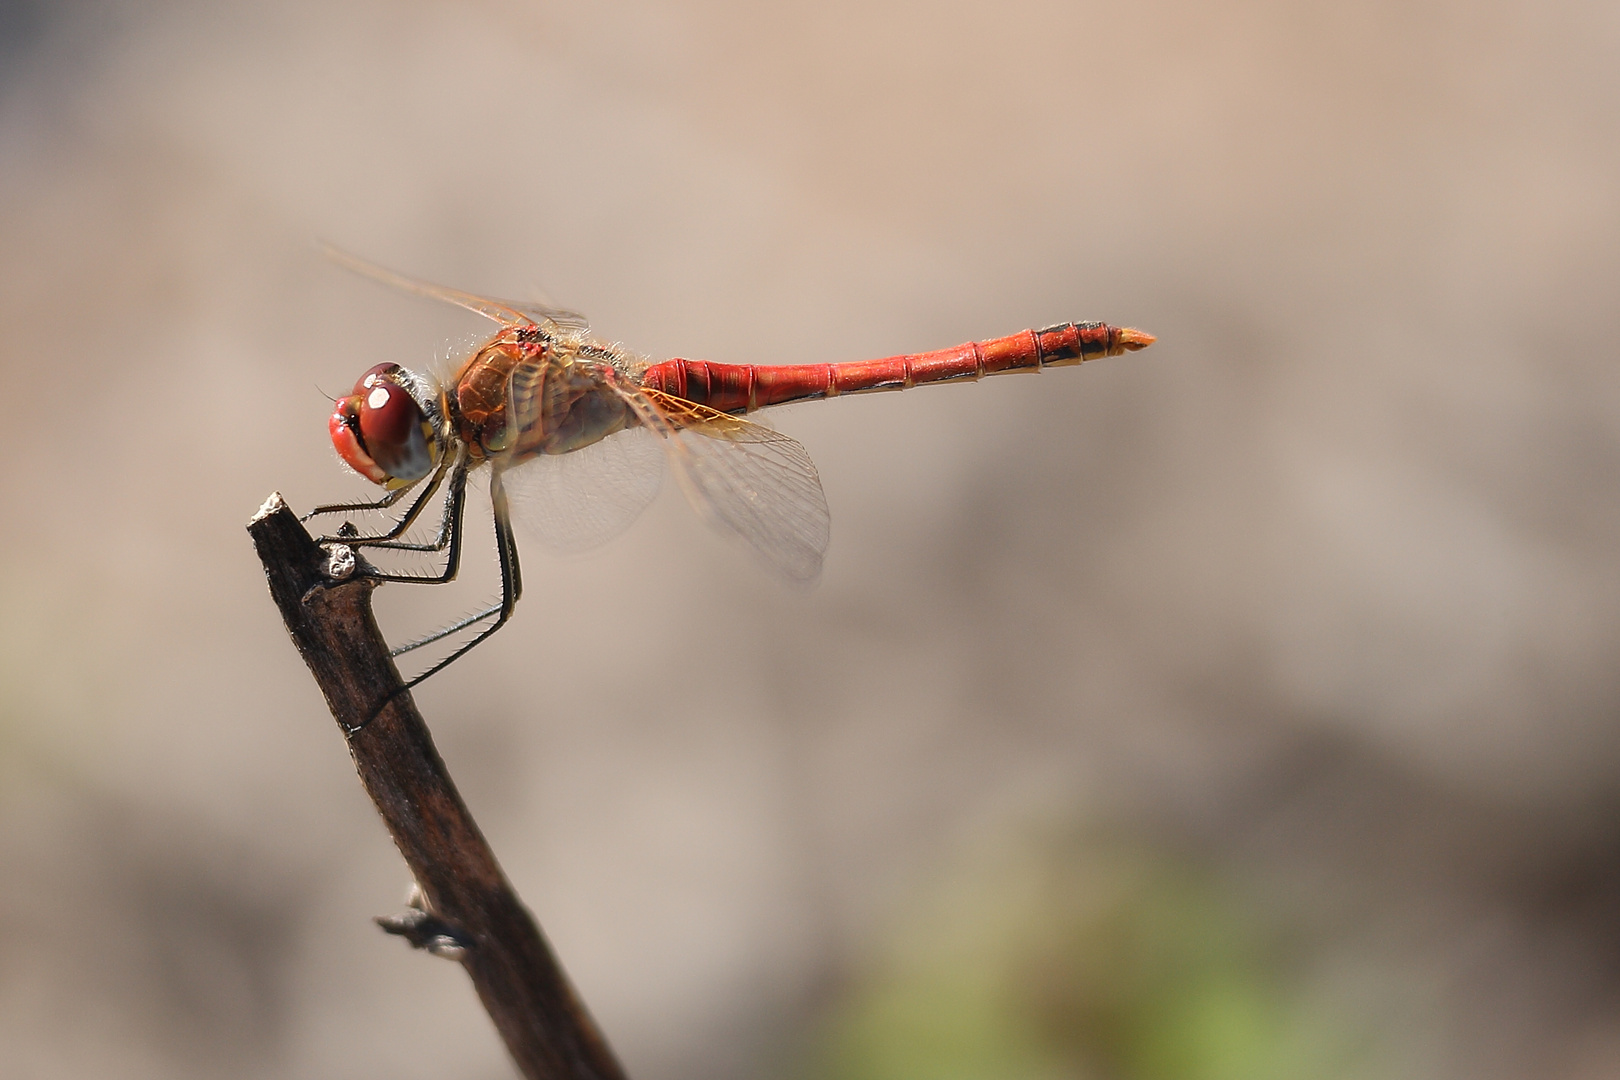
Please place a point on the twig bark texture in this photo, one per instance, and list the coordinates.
(536, 1011)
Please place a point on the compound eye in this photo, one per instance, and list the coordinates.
(392, 428)
(378, 373)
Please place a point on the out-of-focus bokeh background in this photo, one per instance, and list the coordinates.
(1247, 707)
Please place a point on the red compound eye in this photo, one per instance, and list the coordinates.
(380, 430)
(376, 374)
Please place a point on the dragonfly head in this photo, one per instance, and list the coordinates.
(382, 431)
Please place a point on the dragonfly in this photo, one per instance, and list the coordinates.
(573, 431)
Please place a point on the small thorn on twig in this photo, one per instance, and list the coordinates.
(424, 930)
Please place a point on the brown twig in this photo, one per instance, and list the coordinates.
(468, 910)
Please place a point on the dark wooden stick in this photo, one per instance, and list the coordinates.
(468, 908)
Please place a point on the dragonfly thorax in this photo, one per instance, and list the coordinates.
(523, 395)
(383, 430)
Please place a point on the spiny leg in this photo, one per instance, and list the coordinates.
(445, 631)
(406, 520)
(511, 589)
(449, 518)
(511, 580)
(450, 535)
(455, 500)
(337, 508)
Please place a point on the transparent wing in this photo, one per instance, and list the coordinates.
(749, 480)
(563, 317)
(506, 312)
(571, 502)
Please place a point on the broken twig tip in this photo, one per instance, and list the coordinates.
(273, 505)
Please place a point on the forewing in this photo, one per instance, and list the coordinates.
(746, 478)
(506, 312)
(562, 317)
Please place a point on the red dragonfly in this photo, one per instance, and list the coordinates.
(574, 431)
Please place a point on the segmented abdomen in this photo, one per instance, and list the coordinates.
(745, 387)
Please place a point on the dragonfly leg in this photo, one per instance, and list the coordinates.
(448, 540)
(337, 508)
(511, 583)
(511, 590)
(445, 631)
(405, 522)
(451, 535)
(449, 521)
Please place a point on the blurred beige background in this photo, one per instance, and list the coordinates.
(1256, 693)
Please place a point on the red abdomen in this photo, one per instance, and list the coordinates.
(744, 387)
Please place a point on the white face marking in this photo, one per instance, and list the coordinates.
(378, 397)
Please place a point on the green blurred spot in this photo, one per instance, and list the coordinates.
(1069, 960)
